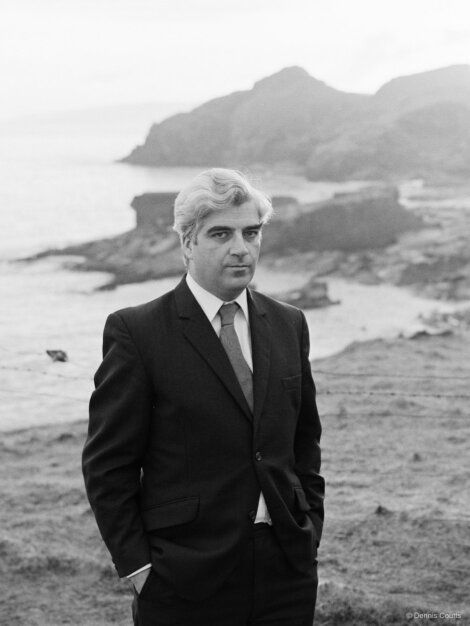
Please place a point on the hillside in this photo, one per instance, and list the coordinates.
(413, 126)
(396, 529)
(279, 119)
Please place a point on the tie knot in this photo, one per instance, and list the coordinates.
(227, 313)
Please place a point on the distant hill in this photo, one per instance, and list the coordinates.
(406, 93)
(414, 126)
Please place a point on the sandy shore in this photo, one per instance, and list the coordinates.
(396, 535)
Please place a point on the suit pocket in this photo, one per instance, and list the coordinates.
(146, 584)
(301, 498)
(171, 513)
(292, 382)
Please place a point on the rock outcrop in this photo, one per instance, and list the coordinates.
(371, 218)
(360, 221)
(154, 211)
(312, 295)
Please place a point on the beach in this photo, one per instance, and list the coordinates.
(52, 308)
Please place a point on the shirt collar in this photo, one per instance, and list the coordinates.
(211, 304)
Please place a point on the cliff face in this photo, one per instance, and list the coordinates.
(409, 128)
(372, 218)
(278, 120)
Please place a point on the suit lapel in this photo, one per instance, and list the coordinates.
(261, 336)
(199, 332)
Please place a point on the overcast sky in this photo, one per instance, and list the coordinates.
(73, 54)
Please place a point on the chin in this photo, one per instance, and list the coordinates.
(236, 286)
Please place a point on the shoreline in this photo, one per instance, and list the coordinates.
(36, 389)
(392, 411)
(430, 255)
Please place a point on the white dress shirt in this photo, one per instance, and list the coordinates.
(210, 304)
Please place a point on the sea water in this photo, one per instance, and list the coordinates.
(60, 184)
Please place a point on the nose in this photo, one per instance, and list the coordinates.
(238, 247)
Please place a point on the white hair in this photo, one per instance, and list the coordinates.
(215, 190)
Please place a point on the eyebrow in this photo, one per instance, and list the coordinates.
(222, 227)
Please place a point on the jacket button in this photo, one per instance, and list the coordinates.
(252, 515)
(258, 456)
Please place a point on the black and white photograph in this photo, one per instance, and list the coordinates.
(235, 313)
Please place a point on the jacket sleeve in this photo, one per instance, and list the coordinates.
(120, 409)
(307, 439)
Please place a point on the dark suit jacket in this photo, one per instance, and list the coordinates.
(174, 460)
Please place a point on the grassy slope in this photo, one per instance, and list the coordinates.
(404, 453)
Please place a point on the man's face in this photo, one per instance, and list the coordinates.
(223, 255)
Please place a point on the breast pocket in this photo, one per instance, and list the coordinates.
(292, 382)
(292, 386)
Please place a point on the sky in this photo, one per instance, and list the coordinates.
(75, 54)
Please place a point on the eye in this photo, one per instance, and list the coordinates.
(251, 234)
(219, 234)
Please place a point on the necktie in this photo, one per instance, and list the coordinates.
(232, 347)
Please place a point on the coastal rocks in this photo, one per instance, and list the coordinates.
(370, 218)
(424, 331)
(154, 211)
(312, 295)
(457, 320)
(368, 237)
(58, 355)
(434, 260)
(133, 257)
(354, 223)
(438, 280)
(367, 219)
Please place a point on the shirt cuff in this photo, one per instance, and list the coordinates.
(142, 569)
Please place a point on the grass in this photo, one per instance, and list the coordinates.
(396, 533)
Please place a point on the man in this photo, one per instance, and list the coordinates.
(202, 458)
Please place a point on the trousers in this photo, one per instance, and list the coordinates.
(264, 589)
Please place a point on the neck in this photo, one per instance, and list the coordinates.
(225, 296)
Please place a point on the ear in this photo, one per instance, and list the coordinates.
(187, 246)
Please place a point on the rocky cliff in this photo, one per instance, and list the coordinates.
(371, 218)
(366, 220)
(413, 126)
